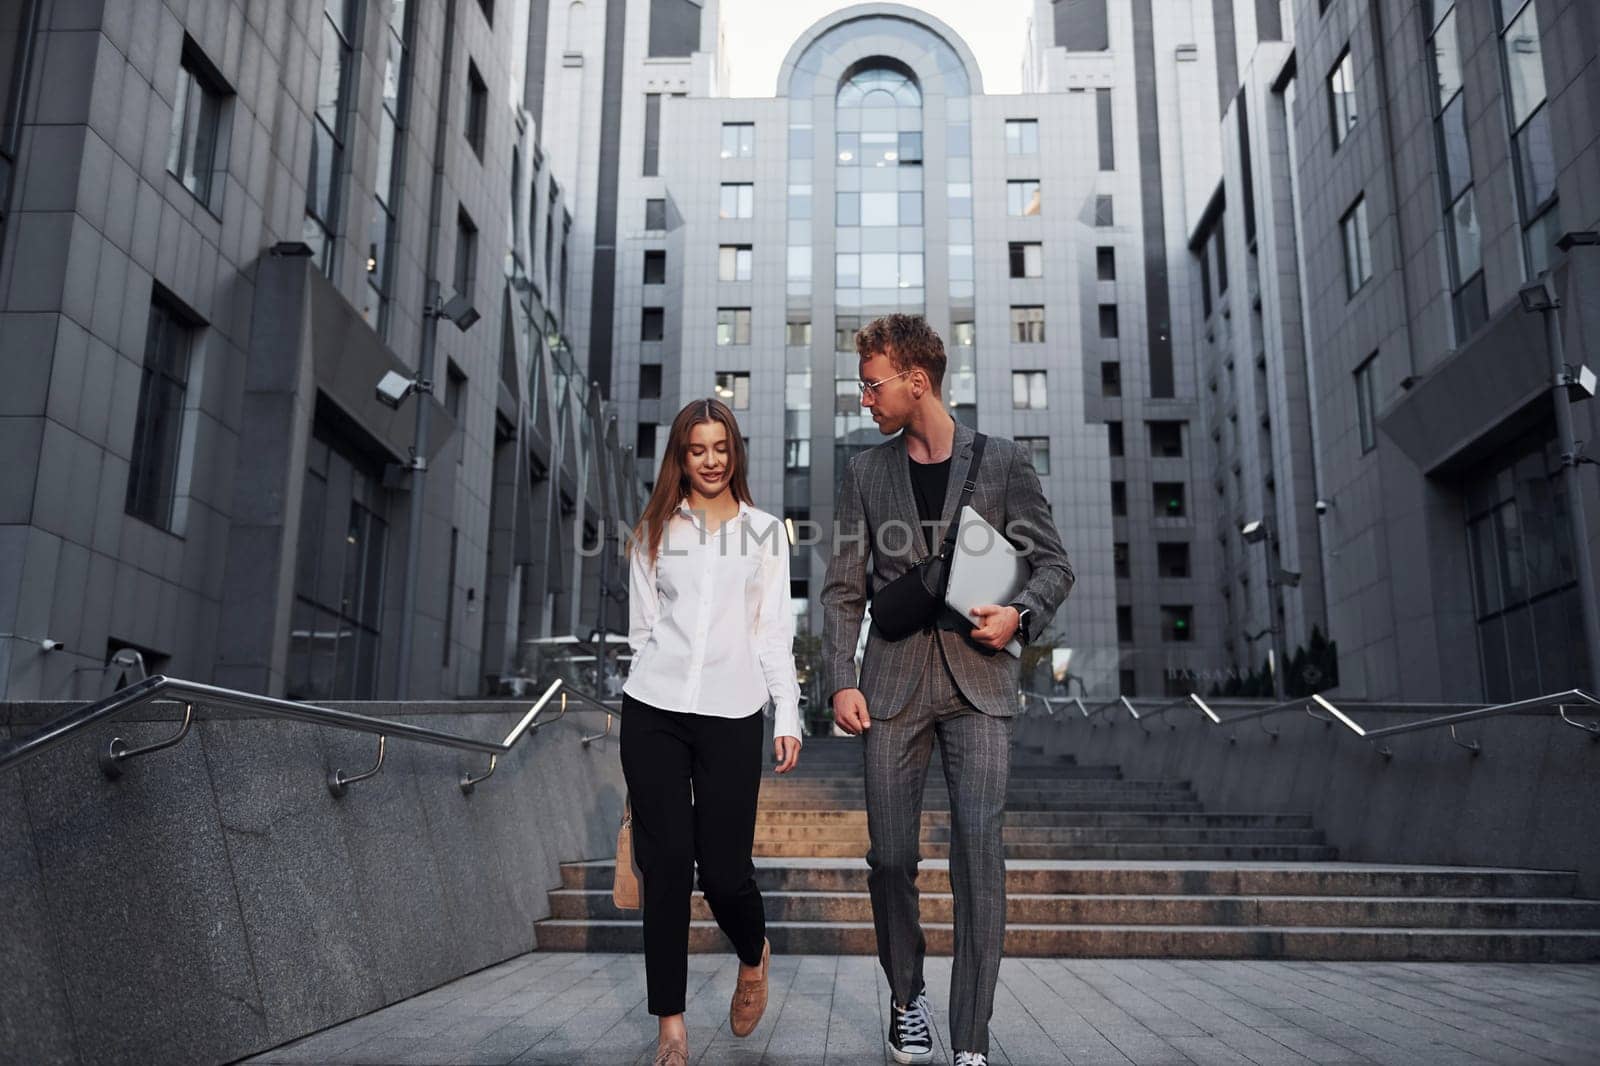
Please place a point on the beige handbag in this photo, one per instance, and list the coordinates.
(625, 885)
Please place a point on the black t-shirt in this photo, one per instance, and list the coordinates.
(929, 482)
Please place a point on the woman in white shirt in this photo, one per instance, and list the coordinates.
(712, 637)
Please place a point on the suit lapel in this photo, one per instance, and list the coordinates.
(905, 501)
(960, 463)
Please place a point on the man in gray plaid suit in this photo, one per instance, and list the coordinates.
(950, 681)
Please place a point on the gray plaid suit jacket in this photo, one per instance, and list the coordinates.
(876, 508)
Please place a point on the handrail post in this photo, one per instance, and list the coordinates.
(118, 752)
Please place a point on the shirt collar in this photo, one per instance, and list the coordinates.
(685, 511)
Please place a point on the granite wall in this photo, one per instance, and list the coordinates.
(217, 900)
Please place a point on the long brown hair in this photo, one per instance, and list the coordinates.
(672, 480)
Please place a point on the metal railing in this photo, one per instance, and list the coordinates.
(190, 693)
(1316, 702)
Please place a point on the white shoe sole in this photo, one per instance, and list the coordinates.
(911, 1058)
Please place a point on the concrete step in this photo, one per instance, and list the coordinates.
(1157, 878)
(936, 783)
(943, 802)
(766, 819)
(821, 849)
(1046, 834)
(1434, 912)
(1130, 941)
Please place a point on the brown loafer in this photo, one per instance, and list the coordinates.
(671, 1053)
(750, 998)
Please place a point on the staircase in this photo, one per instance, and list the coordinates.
(1103, 866)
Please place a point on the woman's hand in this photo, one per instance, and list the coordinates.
(787, 751)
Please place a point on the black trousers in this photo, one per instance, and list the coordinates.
(693, 781)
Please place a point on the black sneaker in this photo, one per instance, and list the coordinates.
(910, 1036)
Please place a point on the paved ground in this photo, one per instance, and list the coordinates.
(589, 1009)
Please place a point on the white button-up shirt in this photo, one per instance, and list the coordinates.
(709, 620)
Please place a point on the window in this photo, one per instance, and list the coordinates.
(1027, 260)
(652, 135)
(1524, 582)
(1027, 324)
(1172, 559)
(733, 262)
(652, 324)
(845, 328)
(655, 267)
(1038, 449)
(1022, 136)
(1342, 98)
(1103, 213)
(325, 173)
(1119, 499)
(1114, 442)
(1108, 321)
(963, 334)
(796, 395)
(645, 441)
(1532, 144)
(198, 138)
(1168, 497)
(1102, 112)
(1110, 379)
(1166, 440)
(450, 596)
(796, 454)
(738, 140)
(655, 214)
(797, 333)
(1463, 240)
(383, 228)
(738, 200)
(1357, 250)
(1028, 390)
(733, 326)
(649, 381)
(1366, 404)
(1124, 620)
(1119, 560)
(1022, 198)
(1175, 623)
(477, 108)
(466, 254)
(733, 389)
(158, 426)
(335, 626)
(455, 393)
(1105, 263)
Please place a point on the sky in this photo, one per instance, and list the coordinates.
(759, 34)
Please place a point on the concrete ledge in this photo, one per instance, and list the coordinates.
(217, 900)
(1526, 801)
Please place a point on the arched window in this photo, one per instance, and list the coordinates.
(576, 15)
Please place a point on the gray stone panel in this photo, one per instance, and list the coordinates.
(142, 903)
(35, 1019)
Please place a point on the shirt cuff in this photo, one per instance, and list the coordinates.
(786, 721)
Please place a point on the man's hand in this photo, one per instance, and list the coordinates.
(996, 625)
(850, 711)
(786, 750)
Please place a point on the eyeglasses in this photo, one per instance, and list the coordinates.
(869, 389)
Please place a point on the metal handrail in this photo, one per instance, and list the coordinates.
(1309, 704)
(193, 692)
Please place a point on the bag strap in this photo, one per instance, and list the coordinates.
(966, 494)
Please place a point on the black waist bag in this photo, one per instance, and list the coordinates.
(913, 600)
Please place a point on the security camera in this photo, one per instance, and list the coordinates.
(1322, 506)
(51, 645)
(394, 388)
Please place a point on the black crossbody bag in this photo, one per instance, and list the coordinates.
(914, 599)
